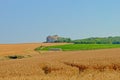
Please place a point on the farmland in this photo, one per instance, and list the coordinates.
(102, 64)
(74, 47)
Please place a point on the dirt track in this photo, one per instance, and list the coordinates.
(71, 65)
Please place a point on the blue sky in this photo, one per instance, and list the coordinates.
(33, 20)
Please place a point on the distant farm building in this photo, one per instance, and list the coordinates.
(56, 38)
(52, 38)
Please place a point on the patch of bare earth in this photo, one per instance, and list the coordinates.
(58, 65)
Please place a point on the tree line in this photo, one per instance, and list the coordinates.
(98, 40)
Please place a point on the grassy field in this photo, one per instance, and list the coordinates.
(74, 47)
(60, 65)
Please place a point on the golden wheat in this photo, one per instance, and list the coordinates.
(70, 65)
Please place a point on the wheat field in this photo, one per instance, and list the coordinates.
(101, 64)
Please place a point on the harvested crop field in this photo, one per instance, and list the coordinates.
(101, 64)
(6, 49)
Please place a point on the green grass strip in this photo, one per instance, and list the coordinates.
(76, 47)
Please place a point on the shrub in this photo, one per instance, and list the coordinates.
(15, 57)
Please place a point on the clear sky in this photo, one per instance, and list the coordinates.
(33, 20)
